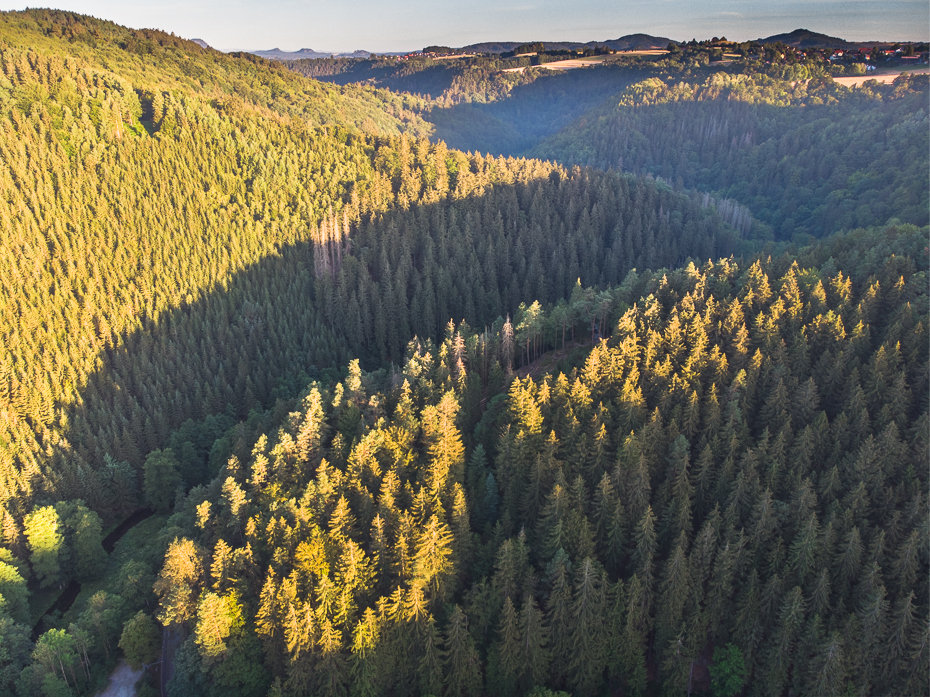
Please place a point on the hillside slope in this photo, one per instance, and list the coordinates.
(250, 248)
(147, 60)
(804, 38)
(807, 157)
(286, 318)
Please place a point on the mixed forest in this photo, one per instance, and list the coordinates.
(430, 379)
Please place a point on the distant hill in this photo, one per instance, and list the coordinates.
(637, 41)
(201, 43)
(804, 38)
(278, 54)
(624, 43)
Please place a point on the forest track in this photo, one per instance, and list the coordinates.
(170, 640)
(548, 361)
(109, 542)
(122, 682)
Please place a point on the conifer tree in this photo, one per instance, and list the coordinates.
(462, 664)
(586, 665)
(534, 640)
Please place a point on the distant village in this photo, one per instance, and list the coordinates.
(870, 56)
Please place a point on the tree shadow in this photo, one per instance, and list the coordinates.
(531, 112)
(477, 118)
(431, 81)
(265, 333)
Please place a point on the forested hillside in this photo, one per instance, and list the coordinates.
(377, 416)
(473, 105)
(807, 158)
(478, 103)
(279, 249)
(246, 248)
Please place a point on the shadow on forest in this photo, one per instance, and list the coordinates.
(508, 126)
(802, 170)
(270, 329)
(531, 112)
(433, 81)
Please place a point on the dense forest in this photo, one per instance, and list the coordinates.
(296, 398)
(804, 154)
(473, 105)
(740, 469)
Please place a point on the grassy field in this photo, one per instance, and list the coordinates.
(884, 77)
(568, 64)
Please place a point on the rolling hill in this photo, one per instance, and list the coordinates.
(804, 38)
(624, 43)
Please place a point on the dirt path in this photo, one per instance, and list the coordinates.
(547, 362)
(109, 542)
(71, 592)
(122, 681)
(170, 640)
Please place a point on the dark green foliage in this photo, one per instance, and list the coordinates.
(757, 558)
(805, 158)
(140, 640)
(728, 672)
(14, 652)
(162, 477)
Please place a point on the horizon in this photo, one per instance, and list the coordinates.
(328, 27)
(554, 41)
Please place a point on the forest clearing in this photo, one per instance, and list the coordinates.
(883, 77)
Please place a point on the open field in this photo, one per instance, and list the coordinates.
(882, 77)
(453, 57)
(572, 63)
(569, 64)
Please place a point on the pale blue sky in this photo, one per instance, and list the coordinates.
(346, 25)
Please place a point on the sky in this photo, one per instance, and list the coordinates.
(404, 25)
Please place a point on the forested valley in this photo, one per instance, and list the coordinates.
(327, 406)
(807, 158)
